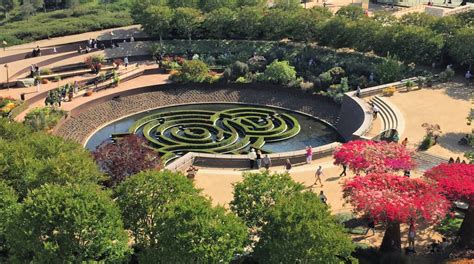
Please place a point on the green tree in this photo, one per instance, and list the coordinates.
(287, 4)
(27, 9)
(219, 22)
(37, 4)
(173, 224)
(306, 23)
(417, 44)
(302, 230)
(460, 46)
(184, 3)
(280, 72)
(158, 21)
(210, 5)
(74, 223)
(257, 3)
(418, 19)
(31, 159)
(192, 71)
(258, 192)
(187, 20)
(276, 24)
(8, 209)
(248, 22)
(71, 3)
(7, 6)
(389, 70)
(351, 12)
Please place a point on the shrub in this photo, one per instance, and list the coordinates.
(46, 71)
(426, 143)
(42, 119)
(7, 104)
(280, 72)
(389, 91)
(192, 71)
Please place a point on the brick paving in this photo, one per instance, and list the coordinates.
(79, 127)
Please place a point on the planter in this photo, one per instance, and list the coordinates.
(89, 93)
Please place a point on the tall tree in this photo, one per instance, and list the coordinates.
(457, 183)
(27, 9)
(460, 46)
(126, 156)
(8, 209)
(394, 200)
(187, 20)
(258, 192)
(172, 223)
(158, 21)
(74, 223)
(248, 22)
(184, 3)
(371, 156)
(7, 6)
(301, 230)
(219, 22)
(210, 5)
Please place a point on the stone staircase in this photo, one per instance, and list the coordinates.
(391, 117)
(427, 161)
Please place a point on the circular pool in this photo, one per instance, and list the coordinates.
(224, 128)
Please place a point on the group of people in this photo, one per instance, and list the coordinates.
(57, 96)
(257, 160)
(36, 52)
(34, 70)
(457, 160)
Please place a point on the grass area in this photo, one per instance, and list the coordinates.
(63, 22)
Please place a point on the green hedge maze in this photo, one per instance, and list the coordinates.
(231, 131)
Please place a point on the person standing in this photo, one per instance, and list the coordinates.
(358, 91)
(323, 198)
(125, 62)
(375, 111)
(405, 142)
(252, 157)
(288, 165)
(468, 77)
(318, 174)
(344, 170)
(309, 154)
(370, 226)
(259, 159)
(267, 162)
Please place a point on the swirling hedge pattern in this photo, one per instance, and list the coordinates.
(230, 131)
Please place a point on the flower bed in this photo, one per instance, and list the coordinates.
(7, 104)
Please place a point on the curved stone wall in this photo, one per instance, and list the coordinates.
(87, 118)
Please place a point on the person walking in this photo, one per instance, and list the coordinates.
(370, 226)
(252, 157)
(405, 142)
(358, 91)
(375, 111)
(267, 162)
(468, 77)
(411, 237)
(323, 198)
(344, 170)
(309, 154)
(288, 165)
(318, 174)
(259, 159)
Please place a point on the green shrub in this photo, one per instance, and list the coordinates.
(42, 119)
(280, 72)
(46, 71)
(426, 143)
(449, 226)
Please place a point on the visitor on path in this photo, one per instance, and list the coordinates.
(370, 226)
(458, 160)
(451, 160)
(267, 162)
(405, 142)
(191, 172)
(288, 165)
(70, 94)
(318, 174)
(309, 154)
(323, 198)
(411, 237)
(358, 91)
(125, 61)
(259, 159)
(468, 77)
(132, 39)
(344, 170)
(407, 173)
(371, 77)
(252, 157)
(375, 111)
(54, 50)
(89, 43)
(76, 87)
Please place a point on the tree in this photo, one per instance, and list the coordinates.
(280, 72)
(71, 3)
(287, 4)
(258, 192)
(248, 22)
(184, 3)
(30, 159)
(211, 5)
(418, 19)
(302, 230)
(7, 6)
(74, 223)
(306, 23)
(457, 183)
(393, 199)
(8, 209)
(125, 157)
(372, 156)
(417, 44)
(389, 70)
(257, 3)
(187, 20)
(158, 21)
(460, 46)
(143, 199)
(27, 9)
(350, 11)
(277, 24)
(219, 22)
(192, 71)
(170, 222)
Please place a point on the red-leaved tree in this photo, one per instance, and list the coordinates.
(457, 183)
(124, 157)
(393, 199)
(373, 156)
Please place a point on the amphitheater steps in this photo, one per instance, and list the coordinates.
(390, 115)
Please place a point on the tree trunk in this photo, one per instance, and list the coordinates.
(161, 41)
(392, 241)
(466, 232)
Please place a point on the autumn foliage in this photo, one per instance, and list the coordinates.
(372, 156)
(127, 156)
(391, 198)
(456, 180)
